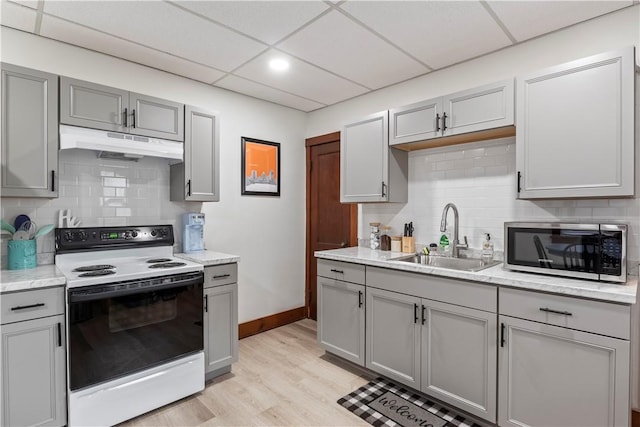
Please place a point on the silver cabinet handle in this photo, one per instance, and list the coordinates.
(221, 276)
(333, 270)
(549, 310)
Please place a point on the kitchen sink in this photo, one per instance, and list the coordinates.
(462, 264)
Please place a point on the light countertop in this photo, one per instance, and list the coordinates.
(497, 275)
(43, 276)
(208, 258)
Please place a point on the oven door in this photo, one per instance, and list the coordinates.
(122, 328)
(571, 250)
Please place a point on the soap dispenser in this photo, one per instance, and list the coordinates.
(487, 248)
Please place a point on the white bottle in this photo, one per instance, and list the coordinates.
(487, 248)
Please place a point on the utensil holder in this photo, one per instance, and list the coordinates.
(22, 254)
(408, 244)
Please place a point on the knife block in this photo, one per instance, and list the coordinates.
(408, 244)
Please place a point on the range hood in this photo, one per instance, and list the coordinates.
(116, 145)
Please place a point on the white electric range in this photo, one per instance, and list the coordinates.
(134, 322)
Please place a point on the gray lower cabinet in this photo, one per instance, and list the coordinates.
(448, 351)
(220, 319)
(446, 329)
(198, 177)
(568, 375)
(29, 133)
(341, 309)
(33, 358)
(97, 106)
(393, 335)
(370, 171)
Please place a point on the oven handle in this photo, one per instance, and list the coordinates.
(116, 290)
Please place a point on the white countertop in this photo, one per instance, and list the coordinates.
(619, 293)
(43, 276)
(208, 258)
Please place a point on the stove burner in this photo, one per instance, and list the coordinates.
(94, 267)
(157, 260)
(167, 265)
(97, 273)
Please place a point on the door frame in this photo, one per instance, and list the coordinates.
(353, 232)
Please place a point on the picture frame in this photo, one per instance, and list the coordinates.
(260, 171)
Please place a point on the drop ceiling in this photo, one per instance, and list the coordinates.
(337, 49)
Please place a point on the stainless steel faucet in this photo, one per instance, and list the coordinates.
(456, 245)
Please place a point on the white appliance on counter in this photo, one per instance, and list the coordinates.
(193, 233)
(134, 322)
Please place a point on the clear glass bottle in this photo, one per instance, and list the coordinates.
(374, 235)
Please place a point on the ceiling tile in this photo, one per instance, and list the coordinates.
(527, 19)
(71, 33)
(240, 85)
(439, 33)
(15, 16)
(164, 27)
(300, 79)
(268, 21)
(338, 44)
(28, 3)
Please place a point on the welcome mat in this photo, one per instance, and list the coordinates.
(382, 403)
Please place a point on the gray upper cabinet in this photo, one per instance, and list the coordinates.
(198, 177)
(96, 106)
(478, 109)
(29, 133)
(92, 105)
(369, 170)
(576, 128)
(155, 117)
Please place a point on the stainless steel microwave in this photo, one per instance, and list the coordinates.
(582, 251)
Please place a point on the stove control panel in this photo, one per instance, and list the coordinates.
(77, 239)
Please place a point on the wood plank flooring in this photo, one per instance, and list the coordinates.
(283, 378)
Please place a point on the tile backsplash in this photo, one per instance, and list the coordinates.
(480, 179)
(102, 192)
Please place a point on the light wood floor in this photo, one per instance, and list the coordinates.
(283, 378)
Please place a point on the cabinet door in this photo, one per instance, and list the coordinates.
(415, 122)
(33, 373)
(92, 105)
(552, 376)
(576, 128)
(364, 160)
(221, 326)
(459, 353)
(155, 117)
(393, 336)
(486, 107)
(29, 132)
(198, 177)
(341, 319)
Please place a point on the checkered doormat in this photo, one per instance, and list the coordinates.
(360, 402)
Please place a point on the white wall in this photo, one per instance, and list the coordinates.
(268, 233)
(479, 177)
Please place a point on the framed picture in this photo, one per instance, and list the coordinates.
(260, 167)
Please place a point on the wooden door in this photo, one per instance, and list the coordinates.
(330, 224)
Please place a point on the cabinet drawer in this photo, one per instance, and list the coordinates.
(586, 315)
(32, 304)
(220, 275)
(453, 291)
(339, 270)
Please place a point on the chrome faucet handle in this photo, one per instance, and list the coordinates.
(463, 245)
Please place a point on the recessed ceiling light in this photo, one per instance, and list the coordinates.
(279, 64)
